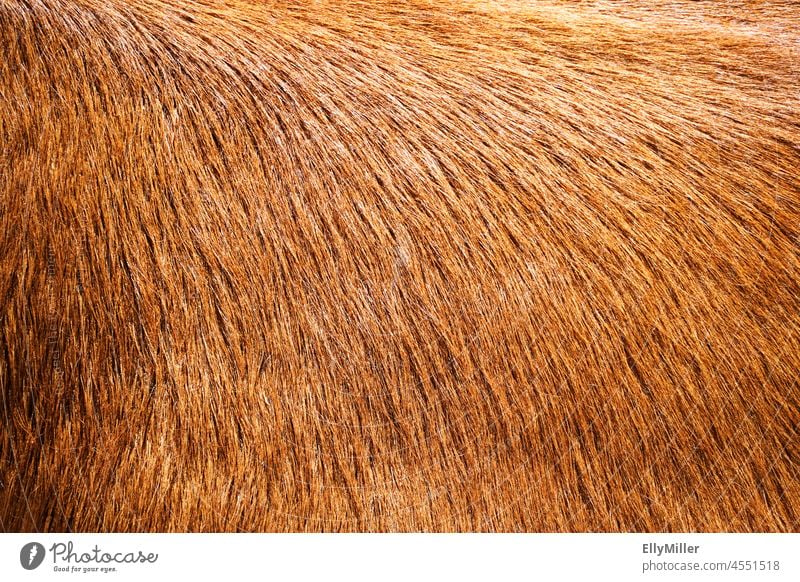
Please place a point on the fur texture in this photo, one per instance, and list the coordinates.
(359, 266)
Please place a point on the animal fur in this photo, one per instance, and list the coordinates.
(381, 266)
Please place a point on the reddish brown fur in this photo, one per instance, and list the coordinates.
(399, 266)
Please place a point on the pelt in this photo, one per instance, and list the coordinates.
(399, 266)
